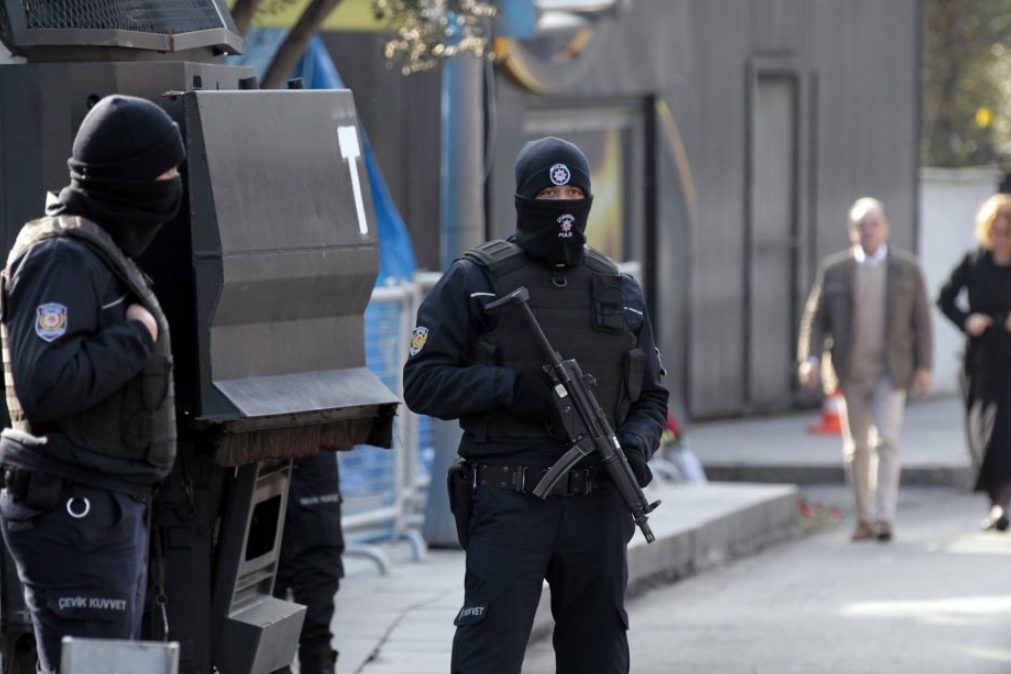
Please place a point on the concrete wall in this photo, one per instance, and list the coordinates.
(949, 199)
(855, 67)
(727, 320)
(685, 73)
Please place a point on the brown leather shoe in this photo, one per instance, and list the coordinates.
(862, 532)
(883, 531)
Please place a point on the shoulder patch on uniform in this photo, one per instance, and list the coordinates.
(418, 339)
(50, 321)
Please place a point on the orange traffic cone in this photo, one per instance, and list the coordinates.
(830, 423)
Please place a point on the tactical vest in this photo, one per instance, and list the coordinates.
(582, 312)
(137, 422)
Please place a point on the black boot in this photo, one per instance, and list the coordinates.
(318, 662)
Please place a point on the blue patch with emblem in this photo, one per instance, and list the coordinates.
(418, 339)
(50, 321)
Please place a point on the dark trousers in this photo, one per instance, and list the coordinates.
(310, 564)
(83, 576)
(577, 543)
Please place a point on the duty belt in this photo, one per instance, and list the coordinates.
(41, 490)
(578, 482)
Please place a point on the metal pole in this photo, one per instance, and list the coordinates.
(462, 227)
(462, 165)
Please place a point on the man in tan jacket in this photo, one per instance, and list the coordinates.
(870, 304)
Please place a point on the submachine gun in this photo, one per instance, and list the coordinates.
(585, 423)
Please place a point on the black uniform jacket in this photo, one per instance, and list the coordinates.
(66, 366)
(440, 382)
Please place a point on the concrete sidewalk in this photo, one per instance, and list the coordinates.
(402, 623)
(779, 449)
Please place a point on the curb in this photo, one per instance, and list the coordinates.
(959, 477)
(688, 551)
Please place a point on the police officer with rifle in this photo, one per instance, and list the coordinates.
(542, 489)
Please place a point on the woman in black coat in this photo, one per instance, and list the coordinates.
(985, 274)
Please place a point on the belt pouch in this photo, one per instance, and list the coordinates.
(43, 491)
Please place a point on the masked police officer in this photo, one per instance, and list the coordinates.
(311, 549)
(89, 380)
(487, 371)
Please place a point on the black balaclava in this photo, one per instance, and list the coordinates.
(551, 230)
(123, 145)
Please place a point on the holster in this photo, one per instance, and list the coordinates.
(460, 483)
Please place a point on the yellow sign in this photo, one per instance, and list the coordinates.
(984, 116)
(349, 15)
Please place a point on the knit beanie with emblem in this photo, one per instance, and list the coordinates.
(123, 146)
(126, 138)
(550, 161)
(552, 230)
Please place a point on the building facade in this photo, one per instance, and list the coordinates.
(728, 139)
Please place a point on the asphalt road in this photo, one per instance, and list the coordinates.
(935, 600)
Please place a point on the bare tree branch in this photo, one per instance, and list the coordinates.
(243, 12)
(295, 42)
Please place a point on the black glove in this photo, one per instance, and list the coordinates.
(533, 399)
(637, 462)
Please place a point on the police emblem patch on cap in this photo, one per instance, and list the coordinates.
(560, 174)
(418, 339)
(50, 321)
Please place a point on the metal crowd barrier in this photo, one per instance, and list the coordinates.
(379, 486)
